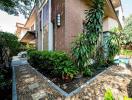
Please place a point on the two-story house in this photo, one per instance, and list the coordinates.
(26, 32)
(59, 21)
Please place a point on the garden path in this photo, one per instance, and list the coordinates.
(31, 85)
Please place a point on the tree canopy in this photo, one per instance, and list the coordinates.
(10, 41)
(16, 7)
(127, 31)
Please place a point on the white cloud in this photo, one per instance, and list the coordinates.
(8, 22)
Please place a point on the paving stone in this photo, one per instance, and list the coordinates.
(24, 72)
(23, 69)
(29, 80)
(38, 95)
(33, 86)
(26, 76)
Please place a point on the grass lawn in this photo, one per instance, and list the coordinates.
(126, 52)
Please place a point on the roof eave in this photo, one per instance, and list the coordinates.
(110, 2)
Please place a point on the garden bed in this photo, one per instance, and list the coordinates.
(61, 70)
(72, 84)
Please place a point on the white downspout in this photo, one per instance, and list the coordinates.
(42, 29)
(50, 35)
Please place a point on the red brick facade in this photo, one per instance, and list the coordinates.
(72, 15)
(58, 7)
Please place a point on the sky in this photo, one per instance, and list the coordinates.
(8, 22)
(127, 7)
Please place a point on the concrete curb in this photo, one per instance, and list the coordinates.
(14, 92)
(62, 92)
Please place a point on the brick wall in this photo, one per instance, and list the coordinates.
(74, 16)
(58, 7)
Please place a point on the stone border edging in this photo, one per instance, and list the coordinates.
(62, 92)
(14, 92)
(51, 84)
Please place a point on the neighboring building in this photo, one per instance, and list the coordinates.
(26, 32)
(59, 21)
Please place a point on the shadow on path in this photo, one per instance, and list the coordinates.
(129, 89)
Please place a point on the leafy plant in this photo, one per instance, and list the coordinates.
(56, 62)
(4, 80)
(126, 98)
(82, 52)
(126, 52)
(87, 45)
(127, 31)
(108, 95)
(10, 41)
(113, 46)
(66, 69)
(16, 7)
(87, 72)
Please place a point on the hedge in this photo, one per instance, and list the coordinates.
(57, 62)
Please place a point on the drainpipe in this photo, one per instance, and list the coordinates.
(50, 35)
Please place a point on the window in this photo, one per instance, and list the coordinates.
(117, 13)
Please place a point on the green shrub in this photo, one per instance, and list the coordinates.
(87, 72)
(108, 95)
(66, 68)
(9, 40)
(113, 46)
(56, 62)
(126, 98)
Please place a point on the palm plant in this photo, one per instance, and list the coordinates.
(87, 45)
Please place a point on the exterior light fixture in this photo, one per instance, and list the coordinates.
(58, 20)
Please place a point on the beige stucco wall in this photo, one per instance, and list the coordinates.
(31, 20)
(109, 24)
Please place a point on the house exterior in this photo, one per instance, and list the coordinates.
(26, 32)
(60, 21)
(56, 23)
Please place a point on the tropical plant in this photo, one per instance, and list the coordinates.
(82, 52)
(16, 7)
(127, 31)
(126, 98)
(113, 46)
(87, 72)
(89, 44)
(10, 41)
(66, 70)
(108, 95)
(58, 63)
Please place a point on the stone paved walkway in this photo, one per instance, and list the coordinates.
(117, 78)
(32, 86)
